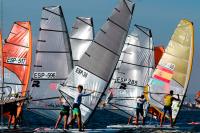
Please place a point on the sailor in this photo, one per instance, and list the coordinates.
(64, 112)
(168, 99)
(76, 112)
(13, 111)
(139, 109)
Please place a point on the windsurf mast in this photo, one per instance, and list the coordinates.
(95, 69)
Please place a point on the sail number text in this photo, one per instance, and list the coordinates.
(44, 75)
(81, 72)
(14, 60)
(126, 81)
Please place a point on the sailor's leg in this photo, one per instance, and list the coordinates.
(79, 121)
(137, 116)
(72, 120)
(15, 121)
(162, 117)
(58, 121)
(10, 120)
(170, 115)
(65, 121)
(129, 119)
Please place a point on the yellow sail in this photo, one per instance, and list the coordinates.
(174, 69)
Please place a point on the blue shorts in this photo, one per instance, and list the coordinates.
(168, 108)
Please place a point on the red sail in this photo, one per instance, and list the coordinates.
(1, 61)
(17, 54)
(158, 52)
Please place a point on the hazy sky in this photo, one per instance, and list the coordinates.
(162, 16)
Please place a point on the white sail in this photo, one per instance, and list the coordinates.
(81, 37)
(94, 70)
(53, 62)
(132, 72)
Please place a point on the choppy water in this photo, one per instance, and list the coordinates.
(102, 118)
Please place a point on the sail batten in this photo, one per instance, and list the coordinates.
(81, 37)
(17, 58)
(95, 68)
(177, 59)
(132, 72)
(53, 63)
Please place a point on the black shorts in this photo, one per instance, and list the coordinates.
(13, 109)
(139, 111)
(168, 108)
(75, 105)
(65, 110)
(64, 113)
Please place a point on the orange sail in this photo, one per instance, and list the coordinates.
(158, 52)
(17, 55)
(197, 97)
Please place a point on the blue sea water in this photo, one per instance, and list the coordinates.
(102, 118)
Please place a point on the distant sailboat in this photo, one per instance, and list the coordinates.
(94, 70)
(53, 62)
(173, 70)
(81, 37)
(197, 97)
(17, 53)
(132, 73)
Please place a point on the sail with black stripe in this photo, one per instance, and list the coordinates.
(132, 73)
(81, 37)
(53, 63)
(94, 70)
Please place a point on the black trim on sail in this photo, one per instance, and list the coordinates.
(37, 51)
(21, 25)
(68, 40)
(139, 46)
(52, 30)
(41, 40)
(138, 26)
(42, 99)
(135, 64)
(19, 45)
(106, 48)
(81, 39)
(117, 24)
(44, 8)
(84, 21)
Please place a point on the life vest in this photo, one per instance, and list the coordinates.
(168, 100)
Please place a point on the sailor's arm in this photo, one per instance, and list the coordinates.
(176, 99)
(88, 93)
